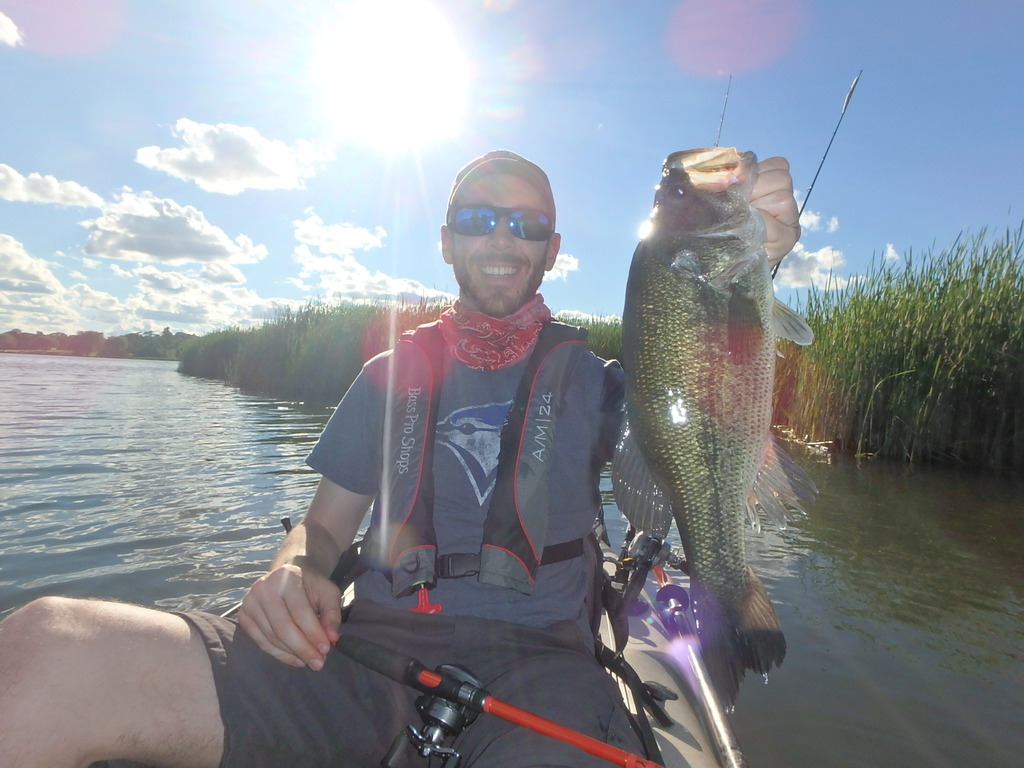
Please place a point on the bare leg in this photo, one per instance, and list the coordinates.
(84, 680)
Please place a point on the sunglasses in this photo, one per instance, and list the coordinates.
(479, 220)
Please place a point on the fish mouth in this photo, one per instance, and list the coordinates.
(712, 169)
(705, 159)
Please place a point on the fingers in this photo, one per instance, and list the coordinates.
(773, 196)
(291, 616)
(330, 620)
(773, 164)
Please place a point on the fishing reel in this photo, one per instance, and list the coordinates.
(640, 553)
(443, 719)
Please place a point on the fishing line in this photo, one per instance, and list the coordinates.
(807, 196)
(721, 120)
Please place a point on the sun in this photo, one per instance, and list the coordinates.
(391, 74)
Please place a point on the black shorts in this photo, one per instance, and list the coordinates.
(349, 715)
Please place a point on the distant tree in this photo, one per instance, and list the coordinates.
(86, 343)
(115, 346)
(36, 342)
(166, 345)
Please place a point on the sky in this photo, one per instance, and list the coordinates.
(198, 164)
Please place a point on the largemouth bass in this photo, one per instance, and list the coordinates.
(699, 332)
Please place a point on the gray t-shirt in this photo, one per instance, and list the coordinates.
(473, 406)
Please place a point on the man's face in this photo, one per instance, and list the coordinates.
(498, 273)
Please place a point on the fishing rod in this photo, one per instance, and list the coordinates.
(457, 686)
(671, 602)
(459, 690)
(807, 196)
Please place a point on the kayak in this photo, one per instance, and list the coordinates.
(663, 650)
(688, 723)
(664, 683)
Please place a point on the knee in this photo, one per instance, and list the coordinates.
(42, 624)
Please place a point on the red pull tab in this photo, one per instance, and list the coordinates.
(424, 605)
(660, 577)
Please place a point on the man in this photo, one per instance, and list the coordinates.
(482, 490)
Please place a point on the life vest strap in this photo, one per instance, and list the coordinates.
(456, 565)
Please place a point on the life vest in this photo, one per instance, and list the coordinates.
(515, 529)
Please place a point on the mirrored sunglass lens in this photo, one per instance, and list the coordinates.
(526, 225)
(530, 225)
(475, 221)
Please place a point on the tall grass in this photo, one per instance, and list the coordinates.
(604, 334)
(921, 360)
(313, 354)
(309, 355)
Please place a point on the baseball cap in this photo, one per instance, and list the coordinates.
(502, 161)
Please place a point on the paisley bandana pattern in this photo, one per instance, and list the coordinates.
(486, 343)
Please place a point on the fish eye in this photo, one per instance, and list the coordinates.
(677, 190)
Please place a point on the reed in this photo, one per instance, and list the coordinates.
(212, 355)
(920, 360)
(604, 334)
(310, 355)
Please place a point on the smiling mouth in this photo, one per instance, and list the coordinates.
(493, 271)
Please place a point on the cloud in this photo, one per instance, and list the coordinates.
(21, 272)
(189, 300)
(33, 298)
(811, 221)
(339, 239)
(325, 255)
(227, 274)
(9, 32)
(891, 252)
(97, 306)
(230, 159)
(345, 277)
(143, 227)
(803, 268)
(44, 189)
(564, 264)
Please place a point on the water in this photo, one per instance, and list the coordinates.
(902, 592)
(124, 479)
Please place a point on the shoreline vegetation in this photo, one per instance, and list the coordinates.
(148, 345)
(921, 360)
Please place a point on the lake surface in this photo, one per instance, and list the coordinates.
(901, 592)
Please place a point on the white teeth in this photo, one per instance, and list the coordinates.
(498, 271)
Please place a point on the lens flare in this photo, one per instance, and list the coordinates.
(67, 29)
(391, 74)
(729, 37)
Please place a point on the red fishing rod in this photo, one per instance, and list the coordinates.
(408, 671)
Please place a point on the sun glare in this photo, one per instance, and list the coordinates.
(391, 74)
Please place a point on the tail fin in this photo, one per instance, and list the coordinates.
(734, 639)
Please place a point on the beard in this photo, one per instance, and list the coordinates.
(497, 301)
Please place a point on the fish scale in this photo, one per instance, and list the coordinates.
(699, 355)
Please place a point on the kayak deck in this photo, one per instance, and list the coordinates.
(699, 735)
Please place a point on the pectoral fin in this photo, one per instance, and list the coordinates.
(745, 332)
(637, 492)
(787, 324)
(781, 486)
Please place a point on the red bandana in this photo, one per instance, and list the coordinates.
(485, 343)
